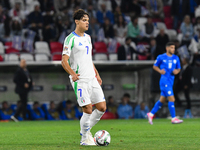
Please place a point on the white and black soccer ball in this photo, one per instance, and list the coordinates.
(102, 138)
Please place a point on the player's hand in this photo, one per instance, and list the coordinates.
(162, 71)
(176, 71)
(26, 85)
(75, 77)
(99, 80)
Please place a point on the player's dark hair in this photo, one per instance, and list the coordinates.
(170, 44)
(126, 95)
(79, 14)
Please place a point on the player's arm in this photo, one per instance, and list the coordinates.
(159, 70)
(156, 64)
(178, 67)
(68, 69)
(97, 75)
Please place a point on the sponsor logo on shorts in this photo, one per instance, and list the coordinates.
(169, 92)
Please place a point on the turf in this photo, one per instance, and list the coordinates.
(125, 135)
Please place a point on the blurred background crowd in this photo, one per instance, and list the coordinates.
(67, 110)
(120, 29)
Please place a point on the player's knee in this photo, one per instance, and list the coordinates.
(103, 109)
(87, 109)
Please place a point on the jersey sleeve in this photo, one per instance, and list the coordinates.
(178, 64)
(158, 61)
(67, 46)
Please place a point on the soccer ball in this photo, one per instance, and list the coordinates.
(102, 138)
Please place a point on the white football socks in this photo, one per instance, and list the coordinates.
(95, 117)
(85, 124)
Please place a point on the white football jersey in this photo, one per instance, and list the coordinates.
(79, 50)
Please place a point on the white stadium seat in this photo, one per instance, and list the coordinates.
(142, 20)
(41, 57)
(2, 50)
(42, 47)
(113, 57)
(12, 57)
(161, 25)
(172, 34)
(27, 57)
(100, 56)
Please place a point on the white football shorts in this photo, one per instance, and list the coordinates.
(88, 92)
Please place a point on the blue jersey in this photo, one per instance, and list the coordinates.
(168, 63)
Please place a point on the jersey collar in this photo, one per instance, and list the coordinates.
(77, 34)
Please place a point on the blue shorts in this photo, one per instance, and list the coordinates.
(166, 90)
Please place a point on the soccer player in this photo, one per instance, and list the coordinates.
(168, 65)
(84, 77)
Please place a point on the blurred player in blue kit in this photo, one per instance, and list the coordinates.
(168, 65)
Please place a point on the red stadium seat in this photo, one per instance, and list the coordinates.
(169, 23)
(57, 57)
(109, 115)
(56, 47)
(141, 57)
(100, 47)
(1, 58)
(118, 45)
(9, 48)
(167, 11)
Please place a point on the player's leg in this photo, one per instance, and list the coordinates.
(98, 99)
(97, 113)
(156, 107)
(82, 93)
(85, 120)
(172, 111)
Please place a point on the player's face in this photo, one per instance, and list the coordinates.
(171, 49)
(84, 23)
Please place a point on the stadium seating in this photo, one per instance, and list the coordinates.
(57, 57)
(1, 58)
(100, 47)
(100, 56)
(142, 20)
(2, 50)
(161, 25)
(10, 49)
(42, 47)
(172, 34)
(179, 37)
(12, 57)
(56, 47)
(112, 57)
(41, 57)
(167, 11)
(168, 23)
(27, 56)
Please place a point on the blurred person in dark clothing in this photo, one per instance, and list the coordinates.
(53, 112)
(48, 26)
(23, 81)
(162, 39)
(6, 112)
(35, 21)
(183, 82)
(37, 113)
(111, 105)
(179, 9)
(155, 49)
(126, 51)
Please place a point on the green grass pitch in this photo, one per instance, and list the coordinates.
(125, 135)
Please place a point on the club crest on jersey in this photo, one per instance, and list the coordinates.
(80, 44)
(65, 48)
(82, 100)
(174, 61)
